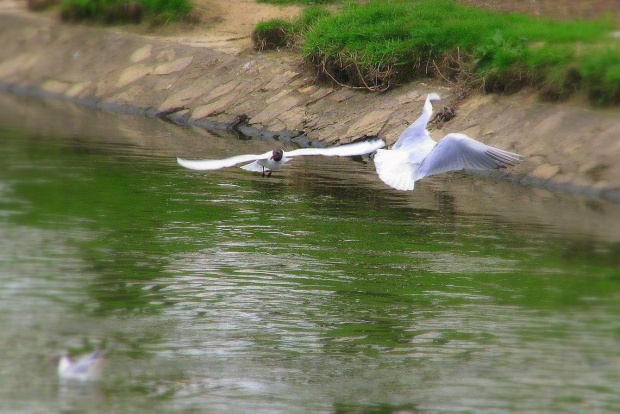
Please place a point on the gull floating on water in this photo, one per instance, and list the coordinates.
(88, 368)
(274, 160)
(416, 155)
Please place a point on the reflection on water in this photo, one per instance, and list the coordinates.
(317, 290)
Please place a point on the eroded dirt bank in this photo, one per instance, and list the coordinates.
(568, 146)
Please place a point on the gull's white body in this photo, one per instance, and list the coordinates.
(416, 155)
(87, 368)
(266, 162)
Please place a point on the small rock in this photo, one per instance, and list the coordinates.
(55, 86)
(143, 53)
(174, 66)
(546, 171)
(132, 74)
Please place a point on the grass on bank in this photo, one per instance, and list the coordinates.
(121, 11)
(278, 33)
(301, 2)
(379, 44)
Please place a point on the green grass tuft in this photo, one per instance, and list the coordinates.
(121, 11)
(601, 72)
(382, 43)
(277, 33)
(272, 34)
(302, 2)
(38, 5)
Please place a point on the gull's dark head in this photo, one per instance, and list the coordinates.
(277, 155)
(56, 358)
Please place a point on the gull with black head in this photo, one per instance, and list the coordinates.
(274, 160)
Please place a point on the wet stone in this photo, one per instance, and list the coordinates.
(55, 86)
(224, 89)
(213, 107)
(141, 54)
(369, 125)
(546, 171)
(186, 95)
(342, 95)
(273, 111)
(174, 66)
(77, 89)
(275, 98)
(280, 81)
(132, 74)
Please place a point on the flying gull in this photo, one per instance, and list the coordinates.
(274, 160)
(416, 155)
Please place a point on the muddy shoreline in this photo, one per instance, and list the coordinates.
(569, 147)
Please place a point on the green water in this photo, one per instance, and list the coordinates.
(318, 290)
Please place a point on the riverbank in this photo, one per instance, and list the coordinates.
(219, 84)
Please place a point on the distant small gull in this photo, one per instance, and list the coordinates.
(88, 368)
(274, 160)
(416, 155)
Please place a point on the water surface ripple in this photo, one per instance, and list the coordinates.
(318, 290)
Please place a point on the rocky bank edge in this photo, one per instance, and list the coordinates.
(568, 146)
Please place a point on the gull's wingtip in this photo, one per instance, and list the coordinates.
(190, 165)
(378, 144)
(183, 163)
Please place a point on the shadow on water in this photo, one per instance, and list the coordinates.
(316, 290)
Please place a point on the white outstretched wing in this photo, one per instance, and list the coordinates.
(458, 151)
(358, 148)
(395, 169)
(87, 362)
(89, 367)
(416, 132)
(218, 164)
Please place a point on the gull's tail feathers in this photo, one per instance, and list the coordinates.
(394, 169)
(253, 166)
